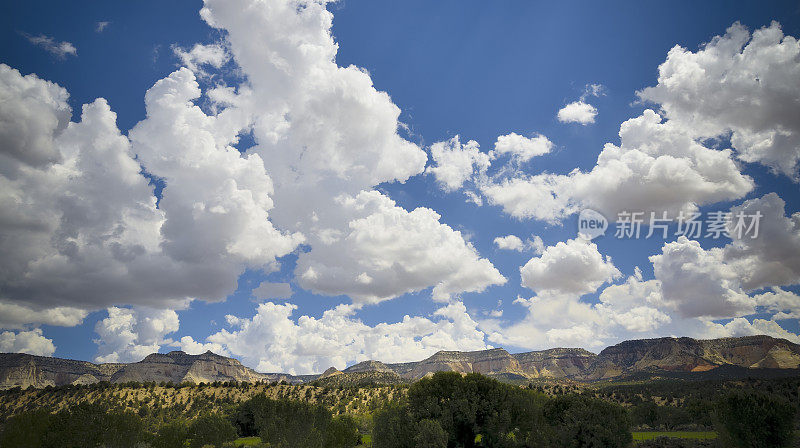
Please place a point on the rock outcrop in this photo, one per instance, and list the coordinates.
(555, 362)
(177, 367)
(692, 355)
(646, 356)
(23, 370)
(486, 362)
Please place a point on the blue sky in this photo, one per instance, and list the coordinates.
(472, 69)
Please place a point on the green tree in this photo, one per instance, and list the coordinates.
(474, 407)
(283, 423)
(430, 435)
(93, 425)
(211, 429)
(393, 427)
(582, 422)
(752, 419)
(172, 435)
(342, 432)
(26, 429)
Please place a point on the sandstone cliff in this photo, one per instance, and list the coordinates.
(626, 358)
(177, 367)
(691, 355)
(23, 370)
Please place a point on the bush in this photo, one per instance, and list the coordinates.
(26, 429)
(90, 425)
(394, 427)
(580, 422)
(461, 409)
(212, 429)
(284, 423)
(751, 419)
(342, 432)
(430, 435)
(171, 435)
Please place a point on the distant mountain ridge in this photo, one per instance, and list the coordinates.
(626, 358)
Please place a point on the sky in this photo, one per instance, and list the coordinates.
(302, 185)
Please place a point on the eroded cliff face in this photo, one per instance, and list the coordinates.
(23, 370)
(368, 366)
(555, 363)
(17, 369)
(646, 355)
(486, 362)
(177, 367)
(691, 355)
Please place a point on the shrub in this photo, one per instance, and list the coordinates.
(752, 419)
(580, 422)
(211, 429)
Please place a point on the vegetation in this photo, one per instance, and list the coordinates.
(751, 419)
(652, 435)
(473, 410)
(446, 410)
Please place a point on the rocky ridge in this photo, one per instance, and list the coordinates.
(626, 358)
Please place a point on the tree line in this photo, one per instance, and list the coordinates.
(446, 410)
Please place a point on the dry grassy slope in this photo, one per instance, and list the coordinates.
(194, 398)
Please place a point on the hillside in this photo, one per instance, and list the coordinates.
(646, 356)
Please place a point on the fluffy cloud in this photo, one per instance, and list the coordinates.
(32, 111)
(556, 316)
(456, 163)
(577, 112)
(214, 55)
(657, 167)
(387, 251)
(331, 138)
(758, 74)
(273, 341)
(522, 148)
(58, 49)
(717, 282)
(82, 228)
(509, 242)
(31, 342)
(773, 258)
(544, 197)
(574, 267)
(130, 334)
(513, 242)
(13, 315)
(696, 284)
(783, 304)
(743, 327)
(669, 165)
(692, 288)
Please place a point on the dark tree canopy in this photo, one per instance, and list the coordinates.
(753, 419)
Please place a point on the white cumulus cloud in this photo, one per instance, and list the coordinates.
(577, 112)
(274, 341)
(130, 334)
(739, 83)
(31, 342)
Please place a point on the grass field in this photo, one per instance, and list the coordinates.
(650, 435)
